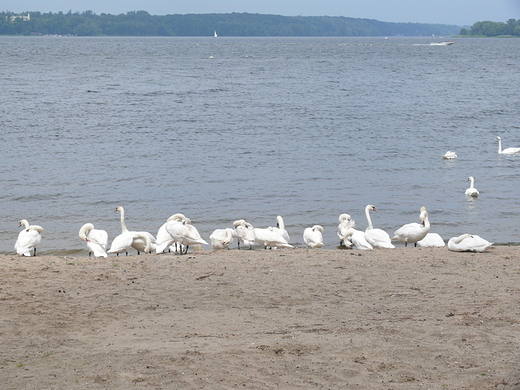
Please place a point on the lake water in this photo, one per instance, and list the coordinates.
(229, 128)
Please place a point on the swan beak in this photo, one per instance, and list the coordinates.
(375, 209)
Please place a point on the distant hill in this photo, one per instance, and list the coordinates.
(141, 23)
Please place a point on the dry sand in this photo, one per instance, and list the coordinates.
(409, 318)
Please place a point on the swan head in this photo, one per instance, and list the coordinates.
(24, 223)
(344, 217)
(318, 228)
(119, 208)
(471, 178)
(371, 207)
(177, 217)
(498, 138)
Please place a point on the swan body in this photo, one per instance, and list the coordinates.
(140, 241)
(143, 242)
(313, 237)
(378, 238)
(185, 234)
(221, 238)
(270, 238)
(472, 191)
(244, 233)
(468, 243)
(431, 240)
(164, 239)
(345, 223)
(121, 243)
(413, 232)
(449, 155)
(28, 238)
(96, 240)
(280, 228)
(357, 238)
(507, 150)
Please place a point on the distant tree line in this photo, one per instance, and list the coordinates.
(494, 29)
(141, 23)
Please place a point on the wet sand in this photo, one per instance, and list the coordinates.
(408, 318)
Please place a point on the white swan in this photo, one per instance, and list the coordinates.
(431, 240)
(244, 233)
(96, 240)
(28, 238)
(449, 155)
(468, 243)
(270, 238)
(357, 238)
(378, 238)
(143, 242)
(413, 232)
(280, 228)
(507, 150)
(221, 238)
(184, 233)
(123, 241)
(313, 237)
(472, 191)
(345, 223)
(164, 239)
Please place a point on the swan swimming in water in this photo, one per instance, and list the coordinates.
(472, 191)
(449, 155)
(244, 233)
(413, 232)
(378, 238)
(96, 240)
(468, 243)
(28, 238)
(313, 237)
(431, 240)
(357, 238)
(507, 150)
(221, 238)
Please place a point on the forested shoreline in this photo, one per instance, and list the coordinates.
(141, 23)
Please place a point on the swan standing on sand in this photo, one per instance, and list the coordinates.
(280, 228)
(164, 239)
(378, 238)
(313, 237)
(472, 191)
(244, 233)
(221, 238)
(431, 240)
(449, 155)
(507, 150)
(270, 238)
(345, 223)
(28, 238)
(413, 232)
(123, 241)
(185, 234)
(96, 240)
(468, 243)
(357, 238)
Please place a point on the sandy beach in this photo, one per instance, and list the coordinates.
(408, 318)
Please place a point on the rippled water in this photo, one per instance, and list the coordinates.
(229, 128)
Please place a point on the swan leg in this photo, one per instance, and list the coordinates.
(34, 251)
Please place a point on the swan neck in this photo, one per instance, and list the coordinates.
(369, 220)
(499, 145)
(123, 225)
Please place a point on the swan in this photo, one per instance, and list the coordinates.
(449, 155)
(143, 242)
(221, 238)
(164, 239)
(140, 241)
(244, 233)
(431, 240)
(28, 238)
(472, 191)
(96, 240)
(357, 238)
(413, 232)
(345, 223)
(270, 238)
(507, 150)
(280, 228)
(378, 238)
(313, 237)
(468, 243)
(184, 233)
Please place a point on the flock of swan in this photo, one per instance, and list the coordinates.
(177, 233)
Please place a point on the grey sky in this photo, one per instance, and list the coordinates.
(458, 12)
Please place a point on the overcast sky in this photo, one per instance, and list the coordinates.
(458, 12)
